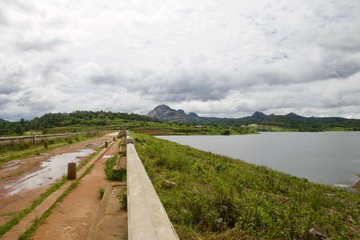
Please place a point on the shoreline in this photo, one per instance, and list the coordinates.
(357, 185)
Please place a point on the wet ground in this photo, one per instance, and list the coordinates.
(82, 212)
(51, 170)
(24, 180)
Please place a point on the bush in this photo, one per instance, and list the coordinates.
(225, 132)
(114, 175)
(122, 196)
(101, 192)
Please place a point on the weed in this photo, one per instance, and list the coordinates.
(122, 196)
(111, 174)
(101, 192)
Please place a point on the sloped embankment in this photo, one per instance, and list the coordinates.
(222, 198)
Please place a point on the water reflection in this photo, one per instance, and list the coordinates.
(51, 169)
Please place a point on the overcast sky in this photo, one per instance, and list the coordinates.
(225, 58)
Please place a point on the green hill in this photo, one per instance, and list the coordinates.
(287, 122)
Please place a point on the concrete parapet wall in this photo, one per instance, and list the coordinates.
(147, 218)
(129, 140)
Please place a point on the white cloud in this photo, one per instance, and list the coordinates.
(227, 58)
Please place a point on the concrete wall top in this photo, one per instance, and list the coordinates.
(147, 218)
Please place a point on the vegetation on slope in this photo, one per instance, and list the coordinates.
(221, 198)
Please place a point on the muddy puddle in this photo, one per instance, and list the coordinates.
(51, 169)
(10, 166)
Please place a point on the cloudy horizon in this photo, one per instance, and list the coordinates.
(221, 59)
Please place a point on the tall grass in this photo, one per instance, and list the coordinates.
(217, 197)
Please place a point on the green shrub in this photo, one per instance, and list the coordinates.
(101, 192)
(122, 196)
(225, 132)
(111, 174)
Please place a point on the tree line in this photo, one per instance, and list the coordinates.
(85, 118)
(99, 119)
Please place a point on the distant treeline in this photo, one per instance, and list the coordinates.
(88, 120)
(77, 118)
(290, 121)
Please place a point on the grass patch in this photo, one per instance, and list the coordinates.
(217, 197)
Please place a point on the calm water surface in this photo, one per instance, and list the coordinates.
(331, 158)
(51, 170)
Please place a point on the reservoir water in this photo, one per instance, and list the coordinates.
(331, 158)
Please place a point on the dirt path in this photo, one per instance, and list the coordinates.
(73, 218)
(13, 171)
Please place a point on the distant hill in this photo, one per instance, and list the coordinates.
(2, 120)
(288, 121)
(164, 112)
(76, 121)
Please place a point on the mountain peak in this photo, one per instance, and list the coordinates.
(164, 112)
(162, 107)
(258, 115)
(293, 116)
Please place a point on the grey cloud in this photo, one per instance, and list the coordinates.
(106, 79)
(184, 86)
(3, 19)
(35, 100)
(331, 64)
(21, 5)
(56, 66)
(39, 45)
(346, 39)
(342, 69)
(8, 88)
(3, 100)
(42, 106)
(11, 80)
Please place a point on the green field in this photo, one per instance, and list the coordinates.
(217, 197)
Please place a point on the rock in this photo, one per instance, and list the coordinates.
(168, 184)
(164, 112)
(317, 234)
